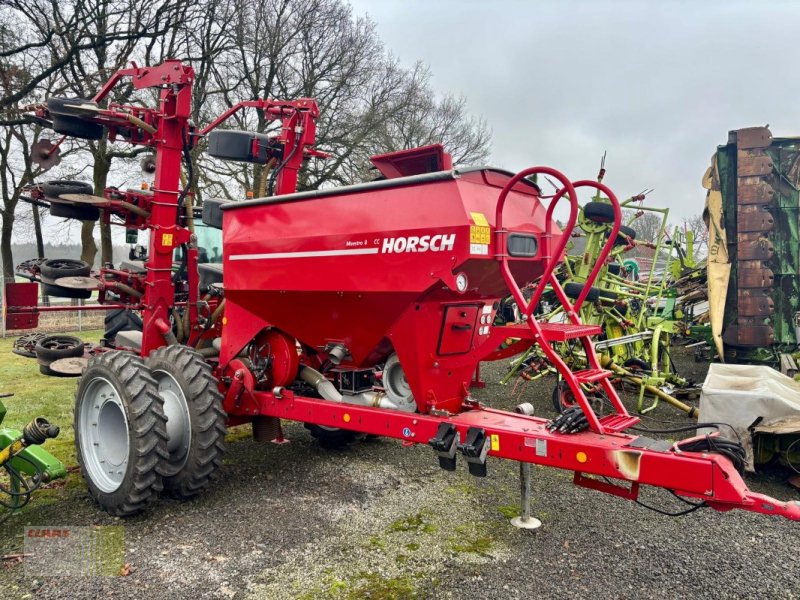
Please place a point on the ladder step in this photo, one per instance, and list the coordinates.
(591, 375)
(617, 423)
(561, 332)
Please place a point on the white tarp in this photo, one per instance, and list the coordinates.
(739, 394)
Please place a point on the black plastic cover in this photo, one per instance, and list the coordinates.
(212, 213)
(235, 145)
(521, 245)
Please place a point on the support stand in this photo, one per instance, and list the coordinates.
(526, 521)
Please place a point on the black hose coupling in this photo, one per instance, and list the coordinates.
(572, 420)
(38, 431)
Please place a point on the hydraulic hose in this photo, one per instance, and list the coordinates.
(178, 325)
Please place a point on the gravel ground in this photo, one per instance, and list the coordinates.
(379, 520)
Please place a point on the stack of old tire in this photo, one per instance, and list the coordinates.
(55, 268)
(54, 189)
(51, 348)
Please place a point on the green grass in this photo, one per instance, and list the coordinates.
(37, 395)
(418, 522)
(364, 584)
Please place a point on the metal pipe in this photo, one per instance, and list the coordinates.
(607, 363)
(217, 312)
(328, 391)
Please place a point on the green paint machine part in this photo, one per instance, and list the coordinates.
(31, 459)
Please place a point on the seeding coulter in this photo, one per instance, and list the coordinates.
(364, 308)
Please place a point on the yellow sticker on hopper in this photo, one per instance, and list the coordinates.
(479, 219)
(495, 442)
(479, 235)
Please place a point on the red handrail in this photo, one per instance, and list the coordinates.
(500, 233)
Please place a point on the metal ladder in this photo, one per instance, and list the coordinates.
(545, 333)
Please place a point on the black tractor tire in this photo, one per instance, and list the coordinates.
(49, 289)
(61, 105)
(26, 345)
(563, 398)
(71, 211)
(77, 127)
(53, 268)
(636, 364)
(143, 409)
(46, 370)
(120, 319)
(625, 232)
(598, 212)
(53, 189)
(331, 438)
(573, 290)
(57, 346)
(187, 471)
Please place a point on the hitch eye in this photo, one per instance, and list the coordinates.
(522, 246)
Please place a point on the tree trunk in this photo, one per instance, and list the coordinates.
(88, 246)
(5, 245)
(37, 230)
(102, 165)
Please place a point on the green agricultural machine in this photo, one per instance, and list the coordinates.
(24, 464)
(754, 247)
(637, 309)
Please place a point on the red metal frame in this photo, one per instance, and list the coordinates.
(603, 452)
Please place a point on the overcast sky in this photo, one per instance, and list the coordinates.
(657, 85)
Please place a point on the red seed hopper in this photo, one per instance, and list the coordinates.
(404, 265)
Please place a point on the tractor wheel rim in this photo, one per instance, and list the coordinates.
(105, 441)
(567, 398)
(179, 425)
(397, 382)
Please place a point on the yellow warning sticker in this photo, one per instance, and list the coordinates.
(479, 235)
(166, 239)
(495, 442)
(479, 219)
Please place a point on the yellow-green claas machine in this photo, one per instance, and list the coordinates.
(25, 464)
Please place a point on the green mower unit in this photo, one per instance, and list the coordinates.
(25, 463)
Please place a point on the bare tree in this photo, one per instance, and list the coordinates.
(697, 227)
(369, 103)
(50, 35)
(240, 50)
(646, 224)
(430, 120)
(83, 42)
